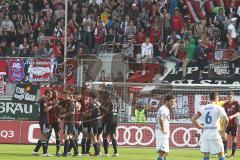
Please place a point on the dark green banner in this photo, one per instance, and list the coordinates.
(10, 110)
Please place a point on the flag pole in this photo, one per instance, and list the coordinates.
(65, 46)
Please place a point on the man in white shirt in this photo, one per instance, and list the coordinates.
(232, 34)
(162, 127)
(146, 53)
(147, 50)
(211, 139)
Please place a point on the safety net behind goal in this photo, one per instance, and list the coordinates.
(138, 105)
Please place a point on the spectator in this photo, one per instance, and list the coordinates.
(110, 37)
(12, 51)
(127, 50)
(166, 17)
(201, 57)
(211, 32)
(119, 77)
(118, 41)
(58, 30)
(146, 53)
(153, 13)
(88, 31)
(200, 30)
(174, 36)
(100, 32)
(173, 53)
(124, 25)
(140, 36)
(102, 77)
(190, 45)
(148, 5)
(177, 22)
(110, 40)
(232, 34)
(144, 18)
(155, 35)
(231, 9)
(7, 25)
(131, 30)
(94, 7)
(72, 48)
(134, 12)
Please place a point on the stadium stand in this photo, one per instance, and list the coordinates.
(35, 28)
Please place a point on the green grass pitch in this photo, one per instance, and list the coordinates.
(23, 152)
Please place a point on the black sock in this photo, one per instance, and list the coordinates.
(44, 146)
(70, 146)
(114, 143)
(38, 146)
(76, 142)
(83, 144)
(74, 146)
(225, 146)
(95, 146)
(66, 146)
(234, 147)
(47, 144)
(105, 145)
(57, 145)
(98, 147)
(88, 145)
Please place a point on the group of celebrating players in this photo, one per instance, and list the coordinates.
(94, 113)
(216, 121)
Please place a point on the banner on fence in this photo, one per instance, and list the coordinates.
(39, 70)
(201, 100)
(16, 69)
(71, 74)
(25, 93)
(10, 110)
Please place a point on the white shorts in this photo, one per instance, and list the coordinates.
(213, 146)
(162, 145)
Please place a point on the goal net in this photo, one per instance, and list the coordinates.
(134, 98)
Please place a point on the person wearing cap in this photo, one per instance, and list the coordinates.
(232, 34)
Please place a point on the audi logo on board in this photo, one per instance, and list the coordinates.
(143, 135)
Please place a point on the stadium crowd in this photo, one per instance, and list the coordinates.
(158, 29)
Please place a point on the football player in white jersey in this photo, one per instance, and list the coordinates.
(211, 139)
(162, 127)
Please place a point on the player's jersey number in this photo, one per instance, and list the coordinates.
(208, 118)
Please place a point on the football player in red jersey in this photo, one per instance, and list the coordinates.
(232, 109)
